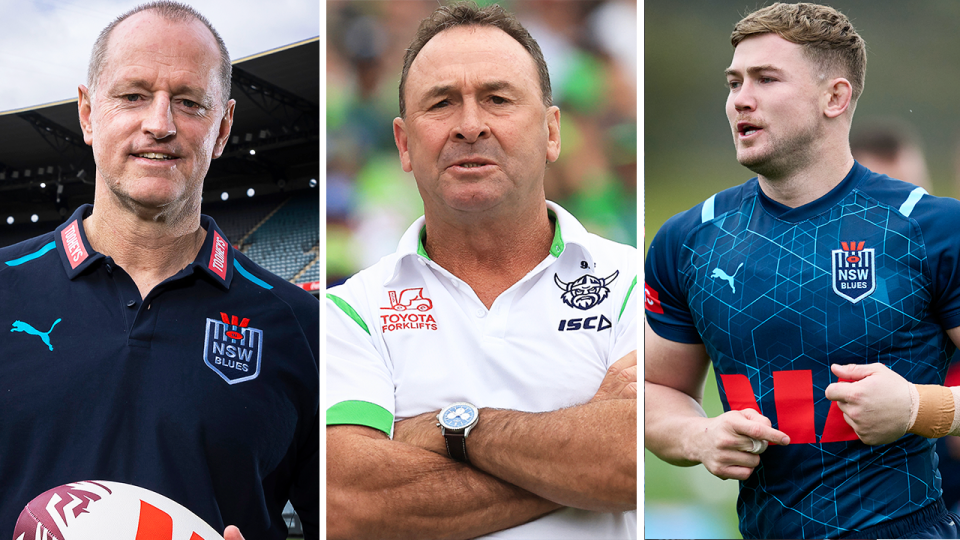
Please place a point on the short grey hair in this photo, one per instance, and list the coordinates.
(171, 11)
(469, 14)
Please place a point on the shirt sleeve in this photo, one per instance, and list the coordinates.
(939, 219)
(626, 337)
(360, 388)
(665, 304)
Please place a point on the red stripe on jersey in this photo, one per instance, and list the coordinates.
(793, 394)
(837, 429)
(739, 392)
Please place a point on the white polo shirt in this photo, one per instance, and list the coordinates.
(406, 336)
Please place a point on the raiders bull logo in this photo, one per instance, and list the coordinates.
(585, 292)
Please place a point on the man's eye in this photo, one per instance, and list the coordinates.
(497, 100)
(191, 104)
(733, 85)
(132, 97)
(440, 104)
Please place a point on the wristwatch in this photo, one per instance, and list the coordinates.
(456, 421)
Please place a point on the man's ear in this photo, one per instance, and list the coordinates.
(400, 137)
(837, 97)
(223, 134)
(553, 134)
(83, 107)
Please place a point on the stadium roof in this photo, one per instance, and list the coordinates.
(277, 116)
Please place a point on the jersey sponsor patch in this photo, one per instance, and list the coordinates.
(73, 244)
(854, 275)
(651, 300)
(409, 307)
(218, 256)
(232, 348)
(586, 291)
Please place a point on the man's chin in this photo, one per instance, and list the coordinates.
(758, 164)
(153, 205)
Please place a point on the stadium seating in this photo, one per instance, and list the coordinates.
(280, 232)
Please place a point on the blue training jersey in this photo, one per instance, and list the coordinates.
(867, 273)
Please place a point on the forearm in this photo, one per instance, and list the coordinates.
(583, 456)
(378, 488)
(669, 418)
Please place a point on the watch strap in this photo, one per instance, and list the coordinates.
(456, 446)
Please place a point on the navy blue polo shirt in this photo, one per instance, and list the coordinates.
(206, 391)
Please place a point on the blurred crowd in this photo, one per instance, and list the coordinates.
(591, 50)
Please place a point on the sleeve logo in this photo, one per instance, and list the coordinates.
(854, 275)
(232, 349)
(651, 300)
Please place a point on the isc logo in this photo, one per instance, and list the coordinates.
(589, 323)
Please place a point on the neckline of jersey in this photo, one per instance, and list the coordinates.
(813, 208)
(556, 248)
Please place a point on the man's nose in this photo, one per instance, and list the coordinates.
(745, 100)
(472, 125)
(159, 121)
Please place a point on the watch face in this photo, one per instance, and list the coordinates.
(458, 416)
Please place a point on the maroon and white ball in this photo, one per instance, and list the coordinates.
(94, 510)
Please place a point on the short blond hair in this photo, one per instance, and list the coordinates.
(827, 37)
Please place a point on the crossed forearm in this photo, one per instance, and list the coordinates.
(378, 488)
(583, 456)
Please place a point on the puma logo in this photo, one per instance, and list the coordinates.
(718, 273)
(20, 326)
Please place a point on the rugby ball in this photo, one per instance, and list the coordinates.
(101, 510)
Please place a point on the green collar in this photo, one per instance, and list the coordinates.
(555, 249)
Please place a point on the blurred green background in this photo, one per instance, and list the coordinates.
(913, 75)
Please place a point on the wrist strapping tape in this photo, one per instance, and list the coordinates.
(934, 410)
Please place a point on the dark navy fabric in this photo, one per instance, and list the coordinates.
(96, 384)
(932, 521)
(760, 285)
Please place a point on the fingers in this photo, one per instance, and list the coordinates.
(620, 381)
(759, 428)
(733, 464)
(842, 390)
(630, 359)
(856, 372)
(232, 533)
(629, 379)
(736, 441)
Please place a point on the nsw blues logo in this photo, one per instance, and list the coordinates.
(232, 349)
(854, 271)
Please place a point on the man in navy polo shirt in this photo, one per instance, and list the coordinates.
(141, 347)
